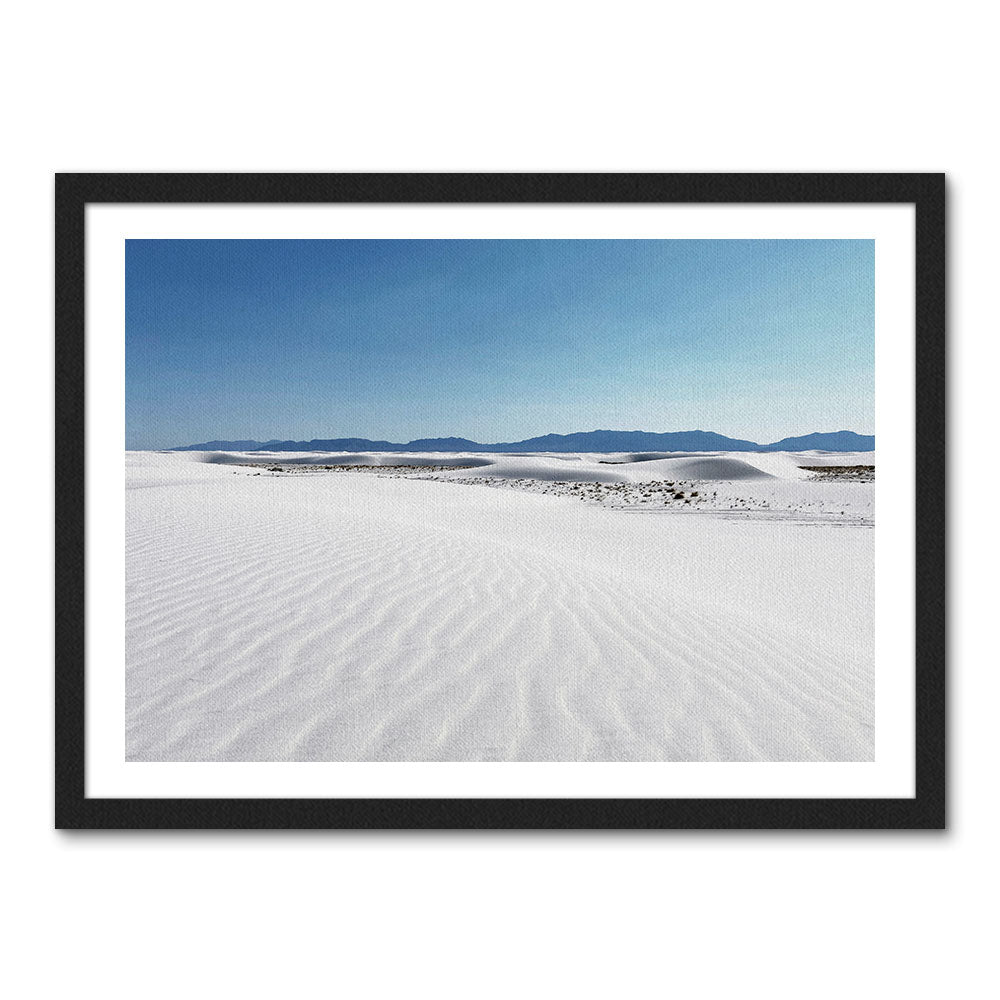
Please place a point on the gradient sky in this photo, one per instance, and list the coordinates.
(496, 340)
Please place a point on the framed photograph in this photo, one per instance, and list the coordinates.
(500, 501)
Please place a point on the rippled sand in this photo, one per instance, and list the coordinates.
(332, 615)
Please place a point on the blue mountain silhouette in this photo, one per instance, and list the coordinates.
(834, 441)
(597, 441)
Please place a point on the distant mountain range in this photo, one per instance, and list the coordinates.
(609, 441)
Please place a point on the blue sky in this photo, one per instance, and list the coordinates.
(496, 340)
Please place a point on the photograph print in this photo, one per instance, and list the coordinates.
(500, 500)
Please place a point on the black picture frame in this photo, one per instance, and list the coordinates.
(74, 810)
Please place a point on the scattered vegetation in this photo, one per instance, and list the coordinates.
(642, 495)
(850, 473)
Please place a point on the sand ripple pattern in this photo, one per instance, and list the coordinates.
(364, 619)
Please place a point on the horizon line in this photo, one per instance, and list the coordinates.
(548, 434)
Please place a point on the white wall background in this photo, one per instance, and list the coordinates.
(513, 86)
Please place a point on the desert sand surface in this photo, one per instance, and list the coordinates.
(443, 607)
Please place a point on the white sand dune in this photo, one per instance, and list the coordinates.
(339, 458)
(365, 616)
(549, 468)
(714, 467)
